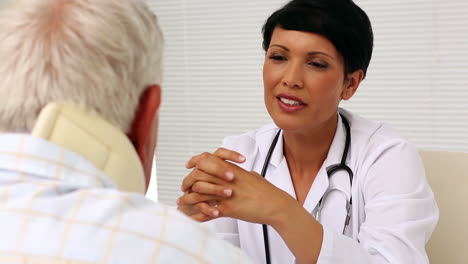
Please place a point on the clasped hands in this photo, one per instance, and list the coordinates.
(218, 188)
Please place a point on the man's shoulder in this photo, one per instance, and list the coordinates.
(160, 230)
(104, 225)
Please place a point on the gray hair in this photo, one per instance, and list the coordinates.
(101, 54)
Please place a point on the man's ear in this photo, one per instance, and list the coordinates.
(351, 84)
(143, 127)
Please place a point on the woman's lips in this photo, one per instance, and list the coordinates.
(290, 103)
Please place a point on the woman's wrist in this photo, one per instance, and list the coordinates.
(300, 231)
(284, 212)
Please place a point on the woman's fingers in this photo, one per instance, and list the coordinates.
(208, 167)
(201, 217)
(211, 189)
(194, 198)
(199, 176)
(227, 154)
(207, 210)
(215, 166)
(188, 210)
(200, 212)
(221, 153)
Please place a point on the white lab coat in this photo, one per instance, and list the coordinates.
(393, 212)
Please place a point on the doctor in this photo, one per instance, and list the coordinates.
(337, 188)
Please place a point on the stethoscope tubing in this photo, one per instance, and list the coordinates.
(264, 170)
(330, 171)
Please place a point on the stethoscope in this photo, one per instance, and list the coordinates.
(330, 171)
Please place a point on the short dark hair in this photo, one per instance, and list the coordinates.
(342, 22)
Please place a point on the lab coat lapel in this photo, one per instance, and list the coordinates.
(318, 188)
(278, 172)
(264, 141)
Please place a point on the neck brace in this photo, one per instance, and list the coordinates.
(87, 134)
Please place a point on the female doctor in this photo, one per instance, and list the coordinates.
(337, 188)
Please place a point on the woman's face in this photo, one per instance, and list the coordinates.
(304, 80)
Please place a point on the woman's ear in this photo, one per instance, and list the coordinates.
(351, 84)
(144, 127)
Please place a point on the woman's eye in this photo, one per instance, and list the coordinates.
(277, 57)
(318, 64)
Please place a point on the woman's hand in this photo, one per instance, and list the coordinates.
(252, 197)
(200, 211)
(202, 191)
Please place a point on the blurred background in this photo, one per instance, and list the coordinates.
(417, 80)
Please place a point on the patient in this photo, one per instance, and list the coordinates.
(80, 92)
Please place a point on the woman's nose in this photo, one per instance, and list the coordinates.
(292, 77)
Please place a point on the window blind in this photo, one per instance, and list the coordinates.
(417, 81)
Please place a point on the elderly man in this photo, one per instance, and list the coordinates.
(79, 86)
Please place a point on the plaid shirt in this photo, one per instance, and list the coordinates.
(56, 207)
